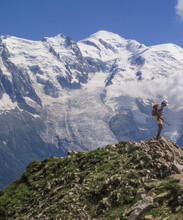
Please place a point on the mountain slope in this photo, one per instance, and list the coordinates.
(58, 95)
(123, 181)
(31, 77)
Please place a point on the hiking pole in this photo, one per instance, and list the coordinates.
(167, 123)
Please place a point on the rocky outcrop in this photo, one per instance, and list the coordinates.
(129, 180)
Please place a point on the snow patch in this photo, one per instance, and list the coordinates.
(6, 103)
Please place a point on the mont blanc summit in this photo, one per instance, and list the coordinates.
(58, 95)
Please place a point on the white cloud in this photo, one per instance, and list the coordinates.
(179, 9)
(170, 88)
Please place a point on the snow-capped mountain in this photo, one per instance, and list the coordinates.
(58, 95)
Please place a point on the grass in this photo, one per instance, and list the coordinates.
(66, 185)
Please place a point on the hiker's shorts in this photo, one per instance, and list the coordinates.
(158, 120)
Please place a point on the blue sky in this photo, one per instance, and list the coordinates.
(148, 21)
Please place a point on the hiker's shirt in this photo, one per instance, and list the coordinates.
(160, 110)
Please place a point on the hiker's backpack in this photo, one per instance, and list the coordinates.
(154, 110)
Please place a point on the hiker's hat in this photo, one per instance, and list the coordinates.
(165, 102)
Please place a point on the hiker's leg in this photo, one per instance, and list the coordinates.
(160, 126)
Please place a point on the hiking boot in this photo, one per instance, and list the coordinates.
(157, 137)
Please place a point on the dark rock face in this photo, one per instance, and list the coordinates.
(123, 126)
(20, 86)
(21, 143)
(49, 88)
(139, 61)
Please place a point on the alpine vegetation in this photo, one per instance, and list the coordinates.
(129, 180)
(58, 95)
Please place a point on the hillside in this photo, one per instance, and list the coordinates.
(129, 180)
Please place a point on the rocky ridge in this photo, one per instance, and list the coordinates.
(129, 180)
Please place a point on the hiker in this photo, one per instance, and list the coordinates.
(158, 115)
